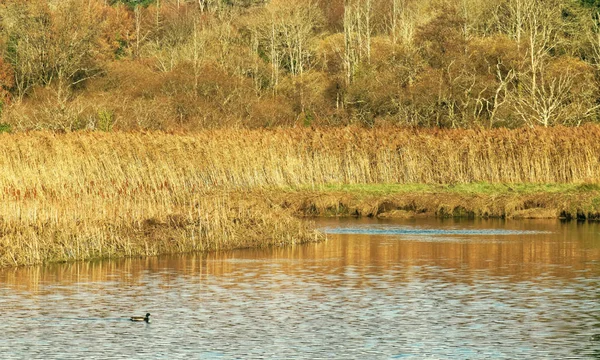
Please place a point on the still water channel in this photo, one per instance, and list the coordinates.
(416, 289)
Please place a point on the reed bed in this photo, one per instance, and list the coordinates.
(89, 194)
(35, 231)
(118, 164)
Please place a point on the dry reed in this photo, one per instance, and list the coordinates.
(86, 195)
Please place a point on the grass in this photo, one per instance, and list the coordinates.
(471, 200)
(372, 189)
(90, 195)
(473, 188)
(470, 188)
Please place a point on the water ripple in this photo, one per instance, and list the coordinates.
(351, 297)
(405, 230)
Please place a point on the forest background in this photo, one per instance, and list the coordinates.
(187, 65)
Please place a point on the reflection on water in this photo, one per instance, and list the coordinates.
(412, 289)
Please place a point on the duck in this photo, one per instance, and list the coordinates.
(141, 318)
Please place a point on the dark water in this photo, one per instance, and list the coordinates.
(425, 289)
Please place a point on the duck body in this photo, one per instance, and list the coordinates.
(141, 318)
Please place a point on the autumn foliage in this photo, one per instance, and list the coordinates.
(182, 64)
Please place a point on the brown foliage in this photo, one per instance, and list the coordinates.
(442, 38)
(7, 81)
(190, 65)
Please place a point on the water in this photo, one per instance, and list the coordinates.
(418, 289)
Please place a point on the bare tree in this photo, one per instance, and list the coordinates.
(593, 37)
(51, 44)
(404, 18)
(285, 33)
(500, 93)
(357, 35)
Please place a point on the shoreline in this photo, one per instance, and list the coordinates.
(281, 217)
(524, 201)
(79, 196)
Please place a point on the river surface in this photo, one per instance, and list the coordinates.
(412, 289)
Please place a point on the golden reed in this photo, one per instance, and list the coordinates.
(95, 195)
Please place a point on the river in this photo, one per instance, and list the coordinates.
(395, 289)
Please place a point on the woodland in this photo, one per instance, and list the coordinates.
(185, 65)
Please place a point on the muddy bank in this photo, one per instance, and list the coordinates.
(580, 205)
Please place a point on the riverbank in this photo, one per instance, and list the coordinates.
(98, 226)
(77, 196)
(481, 200)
